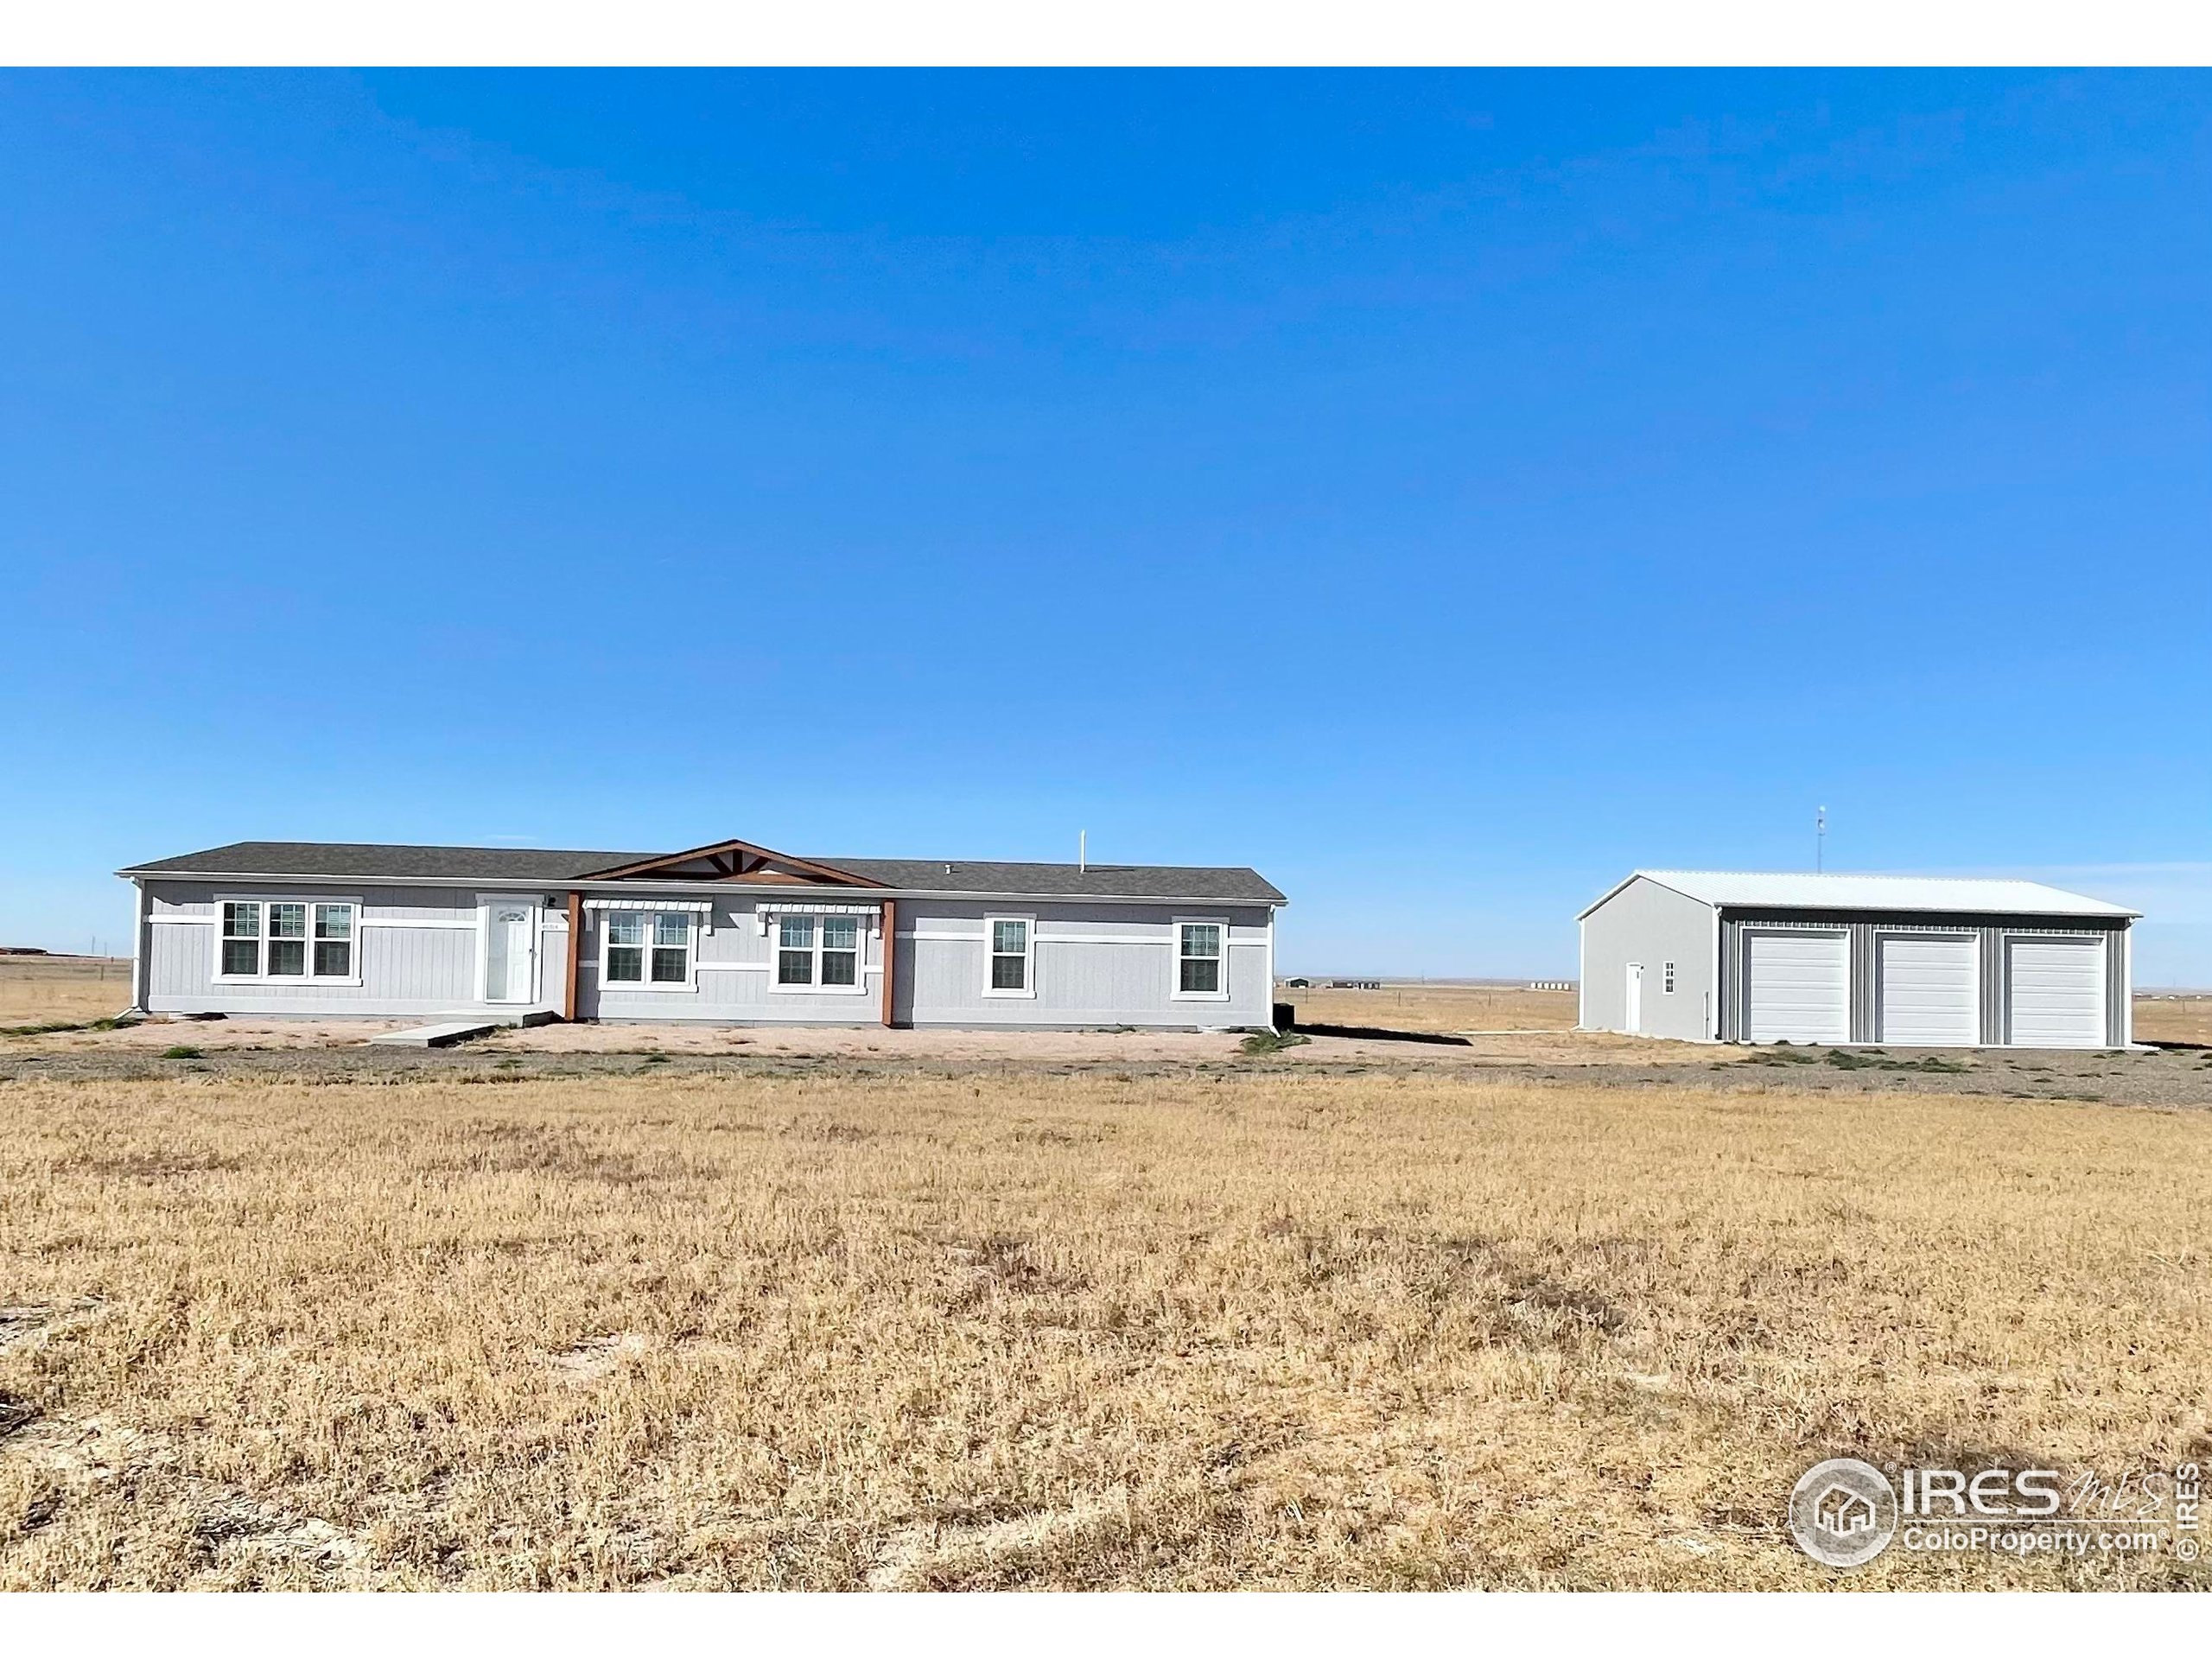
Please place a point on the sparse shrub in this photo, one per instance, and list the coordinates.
(181, 1051)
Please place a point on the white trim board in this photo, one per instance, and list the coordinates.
(458, 922)
(1160, 942)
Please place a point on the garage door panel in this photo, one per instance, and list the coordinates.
(2054, 993)
(1798, 986)
(1927, 990)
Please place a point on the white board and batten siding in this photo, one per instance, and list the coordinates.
(1925, 963)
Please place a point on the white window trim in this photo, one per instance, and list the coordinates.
(485, 902)
(861, 969)
(1175, 991)
(1029, 952)
(217, 976)
(649, 986)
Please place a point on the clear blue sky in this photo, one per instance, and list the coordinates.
(1442, 492)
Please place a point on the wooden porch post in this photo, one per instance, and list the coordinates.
(575, 956)
(890, 956)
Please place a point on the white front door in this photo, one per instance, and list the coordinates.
(2054, 992)
(1928, 989)
(1799, 989)
(509, 945)
(1632, 999)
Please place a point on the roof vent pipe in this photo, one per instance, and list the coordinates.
(1082, 852)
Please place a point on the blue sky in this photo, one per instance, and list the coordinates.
(1442, 492)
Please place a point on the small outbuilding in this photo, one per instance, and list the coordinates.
(1731, 956)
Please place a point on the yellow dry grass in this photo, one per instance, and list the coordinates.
(1434, 1007)
(1256, 1328)
(38, 990)
(2173, 1019)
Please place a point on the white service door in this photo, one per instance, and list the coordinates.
(508, 942)
(1927, 990)
(1797, 985)
(1632, 999)
(2054, 993)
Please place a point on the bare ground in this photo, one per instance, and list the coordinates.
(334, 1050)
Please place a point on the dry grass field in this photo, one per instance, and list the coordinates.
(1237, 1325)
(2173, 1019)
(1434, 1007)
(42, 990)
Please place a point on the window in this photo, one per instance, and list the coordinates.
(643, 944)
(1010, 938)
(1198, 950)
(285, 938)
(671, 949)
(795, 950)
(288, 941)
(333, 941)
(241, 938)
(625, 948)
(1667, 978)
(841, 950)
(824, 950)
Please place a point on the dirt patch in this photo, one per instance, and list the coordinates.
(229, 1528)
(597, 1357)
(922, 1556)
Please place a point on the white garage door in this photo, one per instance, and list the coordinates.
(1926, 989)
(1799, 986)
(2054, 993)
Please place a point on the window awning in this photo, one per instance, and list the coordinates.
(696, 906)
(815, 907)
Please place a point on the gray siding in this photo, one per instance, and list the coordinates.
(1093, 963)
(1991, 931)
(1093, 966)
(1652, 924)
(418, 950)
(733, 976)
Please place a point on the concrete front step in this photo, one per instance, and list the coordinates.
(440, 1036)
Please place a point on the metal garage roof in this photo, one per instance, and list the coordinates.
(1784, 889)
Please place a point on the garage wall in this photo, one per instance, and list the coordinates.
(1992, 931)
(1652, 925)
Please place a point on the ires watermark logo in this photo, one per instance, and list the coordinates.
(1844, 1512)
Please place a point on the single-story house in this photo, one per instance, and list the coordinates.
(731, 933)
(1730, 955)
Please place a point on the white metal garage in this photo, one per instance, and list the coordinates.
(1928, 989)
(1799, 985)
(1909, 961)
(2054, 992)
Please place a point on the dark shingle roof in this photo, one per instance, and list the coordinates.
(532, 866)
(1110, 881)
(398, 863)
